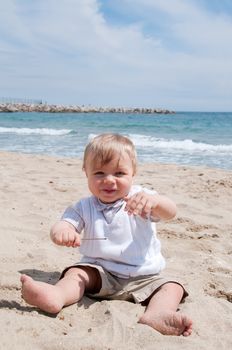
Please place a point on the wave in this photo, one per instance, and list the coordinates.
(154, 143)
(144, 141)
(37, 131)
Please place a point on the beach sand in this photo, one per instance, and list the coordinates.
(197, 245)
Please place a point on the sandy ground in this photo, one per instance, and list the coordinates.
(197, 245)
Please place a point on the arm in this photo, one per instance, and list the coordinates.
(145, 204)
(63, 233)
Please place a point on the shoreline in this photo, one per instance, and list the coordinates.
(53, 108)
(140, 162)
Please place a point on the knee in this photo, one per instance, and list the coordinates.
(75, 273)
(89, 276)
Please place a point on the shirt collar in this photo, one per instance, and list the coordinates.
(108, 206)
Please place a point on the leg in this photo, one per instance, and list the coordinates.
(161, 312)
(68, 290)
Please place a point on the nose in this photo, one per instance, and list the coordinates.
(109, 179)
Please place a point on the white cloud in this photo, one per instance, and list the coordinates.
(69, 52)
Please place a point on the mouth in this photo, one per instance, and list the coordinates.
(108, 191)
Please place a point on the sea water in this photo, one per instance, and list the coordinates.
(186, 138)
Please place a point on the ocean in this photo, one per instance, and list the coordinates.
(185, 138)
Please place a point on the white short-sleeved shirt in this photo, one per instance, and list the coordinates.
(131, 247)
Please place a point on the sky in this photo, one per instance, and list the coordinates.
(174, 54)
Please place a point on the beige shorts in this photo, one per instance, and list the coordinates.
(134, 289)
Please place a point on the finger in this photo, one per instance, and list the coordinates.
(132, 202)
(146, 212)
(65, 238)
(76, 242)
(137, 205)
(58, 239)
(71, 238)
(138, 209)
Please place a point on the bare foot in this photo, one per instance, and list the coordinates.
(43, 295)
(169, 323)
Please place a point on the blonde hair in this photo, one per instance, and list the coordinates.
(103, 148)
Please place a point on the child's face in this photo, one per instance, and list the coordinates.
(111, 181)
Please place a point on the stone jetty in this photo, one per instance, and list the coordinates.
(24, 107)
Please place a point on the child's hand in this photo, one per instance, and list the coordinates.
(140, 203)
(63, 233)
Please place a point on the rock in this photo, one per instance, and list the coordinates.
(23, 107)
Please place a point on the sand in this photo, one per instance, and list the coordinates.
(197, 245)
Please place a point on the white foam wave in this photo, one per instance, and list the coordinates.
(144, 141)
(37, 131)
(91, 136)
(151, 142)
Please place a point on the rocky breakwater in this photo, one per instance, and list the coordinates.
(21, 107)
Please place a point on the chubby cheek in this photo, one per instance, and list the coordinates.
(125, 186)
(93, 185)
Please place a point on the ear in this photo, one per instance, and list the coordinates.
(83, 169)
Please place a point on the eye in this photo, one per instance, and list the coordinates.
(99, 173)
(119, 173)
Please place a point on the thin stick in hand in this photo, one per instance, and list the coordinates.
(94, 239)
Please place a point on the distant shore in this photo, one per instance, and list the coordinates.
(24, 107)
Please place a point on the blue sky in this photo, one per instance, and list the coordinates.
(174, 54)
